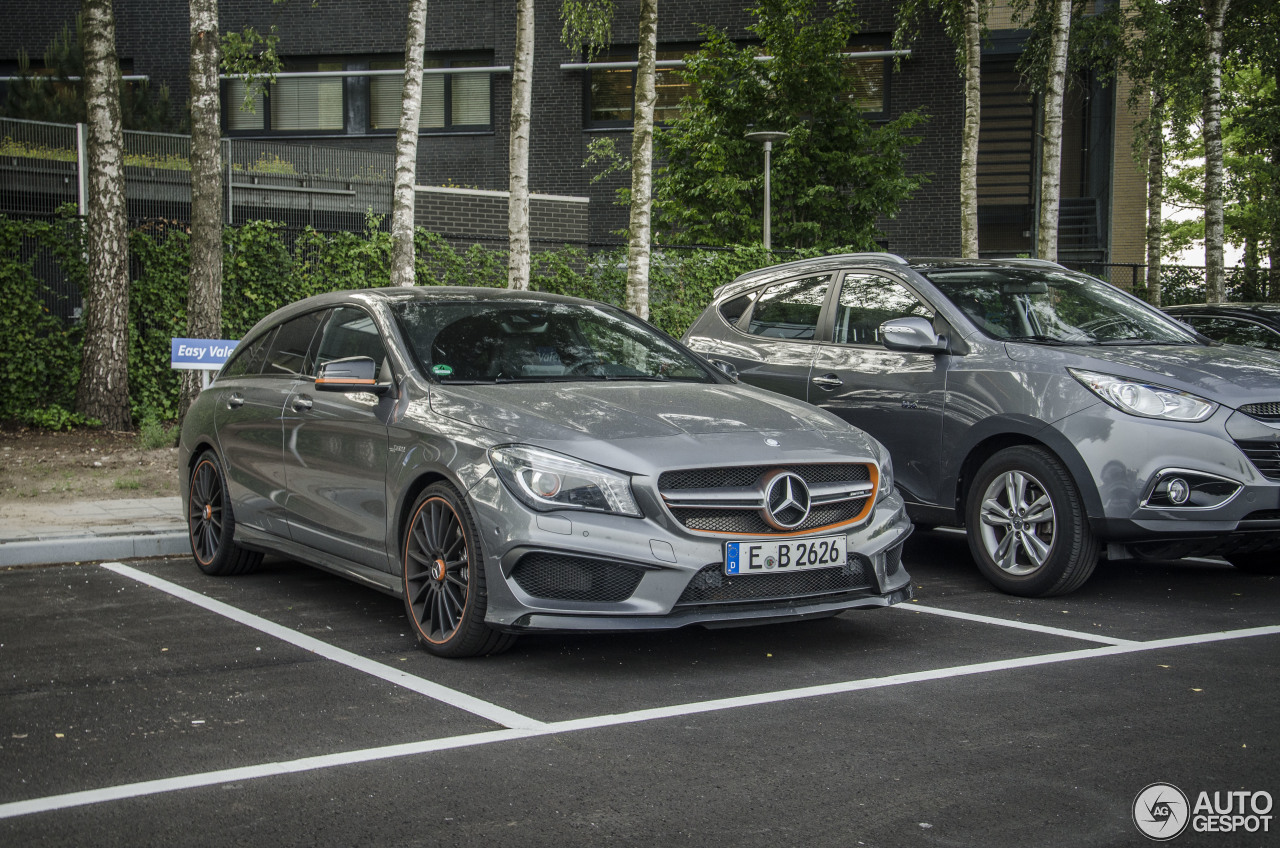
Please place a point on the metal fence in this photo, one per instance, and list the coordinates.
(42, 167)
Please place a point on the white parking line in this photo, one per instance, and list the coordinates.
(452, 697)
(1020, 625)
(213, 778)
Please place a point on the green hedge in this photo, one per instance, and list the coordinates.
(266, 266)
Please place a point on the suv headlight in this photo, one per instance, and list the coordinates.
(545, 481)
(1144, 399)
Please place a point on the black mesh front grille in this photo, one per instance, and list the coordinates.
(569, 578)
(712, 586)
(749, 520)
(747, 475)
(1265, 411)
(892, 560)
(1265, 456)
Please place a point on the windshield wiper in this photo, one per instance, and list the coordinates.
(1138, 341)
(1048, 340)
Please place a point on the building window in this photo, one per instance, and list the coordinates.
(320, 105)
(459, 101)
(610, 98)
(291, 104)
(868, 79)
(611, 92)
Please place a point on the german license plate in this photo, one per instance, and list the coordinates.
(790, 555)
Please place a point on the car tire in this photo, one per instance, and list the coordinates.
(1027, 527)
(211, 523)
(444, 582)
(1258, 562)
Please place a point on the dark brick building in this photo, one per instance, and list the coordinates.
(465, 126)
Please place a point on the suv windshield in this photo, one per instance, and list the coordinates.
(530, 341)
(1054, 307)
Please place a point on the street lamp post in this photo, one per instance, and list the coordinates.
(768, 138)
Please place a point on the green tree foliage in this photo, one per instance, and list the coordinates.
(55, 93)
(265, 267)
(833, 178)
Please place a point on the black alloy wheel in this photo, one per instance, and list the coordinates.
(211, 522)
(444, 585)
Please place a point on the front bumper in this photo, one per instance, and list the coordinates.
(636, 574)
(1134, 452)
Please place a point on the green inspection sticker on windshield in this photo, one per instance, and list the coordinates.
(442, 370)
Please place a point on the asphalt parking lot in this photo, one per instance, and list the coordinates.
(146, 704)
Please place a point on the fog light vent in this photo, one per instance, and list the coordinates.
(1176, 488)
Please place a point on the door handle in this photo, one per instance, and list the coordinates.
(235, 401)
(828, 382)
(302, 403)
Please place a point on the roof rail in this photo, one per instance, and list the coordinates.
(833, 258)
(1035, 263)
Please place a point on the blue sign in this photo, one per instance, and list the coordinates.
(200, 354)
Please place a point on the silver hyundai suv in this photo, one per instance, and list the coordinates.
(1052, 414)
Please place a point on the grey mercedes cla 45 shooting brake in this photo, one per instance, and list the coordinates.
(511, 462)
(1053, 415)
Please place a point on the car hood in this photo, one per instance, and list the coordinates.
(1226, 374)
(624, 410)
(645, 428)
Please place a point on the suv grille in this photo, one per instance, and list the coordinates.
(731, 500)
(1263, 411)
(1265, 456)
(570, 578)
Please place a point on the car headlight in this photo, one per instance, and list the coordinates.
(545, 480)
(886, 474)
(1144, 399)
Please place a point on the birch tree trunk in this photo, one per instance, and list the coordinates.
(103, 391)
(518, 152)
(972, 125)
(1155, 197)
(1215, 12)
(1051, 144)
(204, 289)
(639, 229)
(402, 271)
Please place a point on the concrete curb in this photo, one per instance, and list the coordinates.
(94, 547)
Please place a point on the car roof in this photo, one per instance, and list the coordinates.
(1262, 310)
(837, 261)
(401, 294)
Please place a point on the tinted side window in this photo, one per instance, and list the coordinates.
(351, 332)
(248, 360)
(866, 302)
(790, 310)
(291, 353)
(732, 310)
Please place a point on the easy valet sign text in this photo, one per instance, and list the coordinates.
(200, 354)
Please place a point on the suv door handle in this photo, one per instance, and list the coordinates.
(302, 403)
(828, 382)
(235, 401)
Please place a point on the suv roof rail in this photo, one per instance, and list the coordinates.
(1035, 263)
(834, 258)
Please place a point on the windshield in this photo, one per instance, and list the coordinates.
(533, 341)
(1054, 307)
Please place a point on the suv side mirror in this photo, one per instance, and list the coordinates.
(353, 374)
(912, 335)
